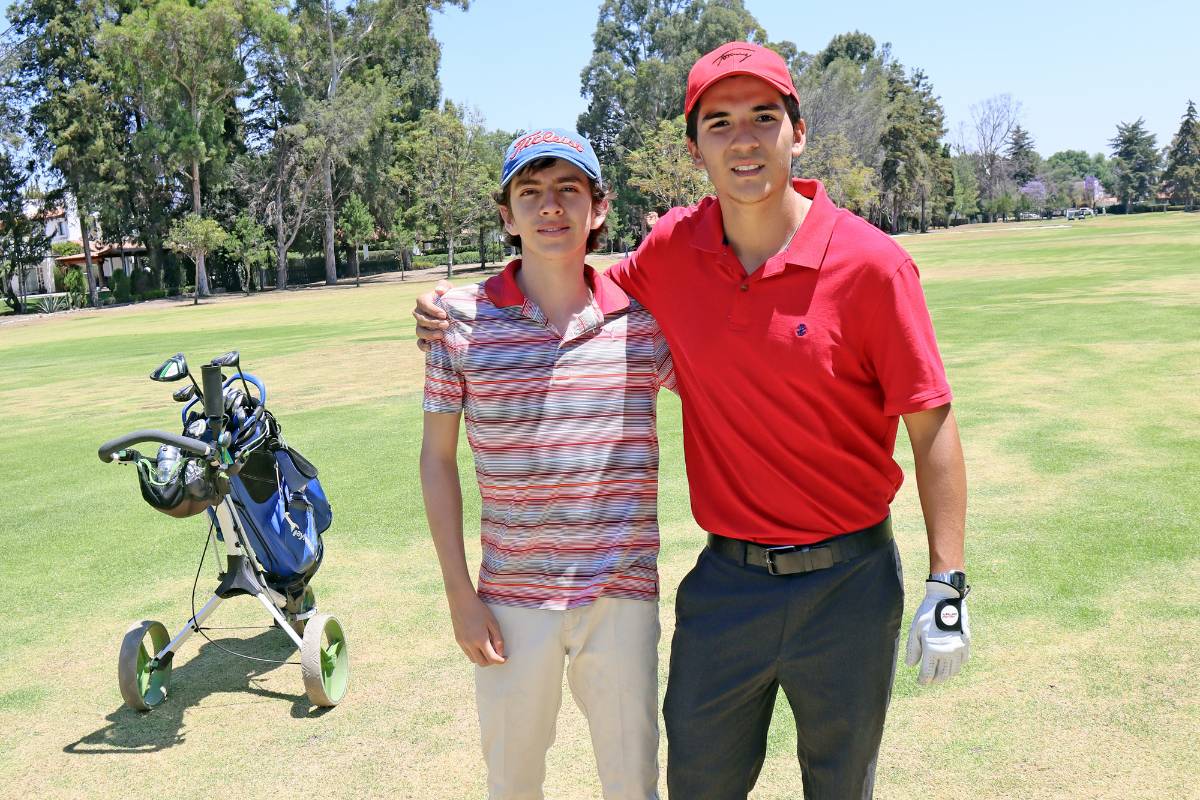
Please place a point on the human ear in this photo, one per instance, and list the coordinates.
(599, 213)
(799, 139)
(694, 149)
(506, 215)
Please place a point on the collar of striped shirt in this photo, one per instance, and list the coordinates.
(502, 289)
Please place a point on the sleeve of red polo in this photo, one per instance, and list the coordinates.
(902, 348)
(444, 384)
(633, 274)
(625, 274)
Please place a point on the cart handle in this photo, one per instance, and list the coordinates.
(110, 450)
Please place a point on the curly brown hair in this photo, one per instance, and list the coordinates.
(600, 193)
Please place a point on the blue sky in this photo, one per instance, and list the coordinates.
(1077, 67)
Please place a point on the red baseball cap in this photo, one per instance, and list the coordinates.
(738, 58)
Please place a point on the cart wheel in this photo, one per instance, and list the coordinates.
(142, 686)
(307, 605)
(325, 661)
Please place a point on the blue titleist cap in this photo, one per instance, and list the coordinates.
(550, 143)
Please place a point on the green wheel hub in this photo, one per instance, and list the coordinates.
(144, 681)
(325, 660)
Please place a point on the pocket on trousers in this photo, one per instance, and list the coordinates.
(684, 595)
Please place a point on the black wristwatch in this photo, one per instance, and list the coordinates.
(954, 578)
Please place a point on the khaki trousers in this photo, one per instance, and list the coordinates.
(611, 652)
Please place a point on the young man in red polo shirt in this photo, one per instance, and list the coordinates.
(801, 338)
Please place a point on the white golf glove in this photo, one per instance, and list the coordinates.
(940, 636)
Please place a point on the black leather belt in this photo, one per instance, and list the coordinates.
(794, 559)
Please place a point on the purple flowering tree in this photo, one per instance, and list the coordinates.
(1033, 195)
(1092, 188)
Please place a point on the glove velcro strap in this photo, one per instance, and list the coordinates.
(947, 615)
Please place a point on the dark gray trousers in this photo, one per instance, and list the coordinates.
(828, 637)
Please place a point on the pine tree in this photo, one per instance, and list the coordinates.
(64, 81)
(1023, 159)
(356, 226)
(1136, 162)
(1182, 175)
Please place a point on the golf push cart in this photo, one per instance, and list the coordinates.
(264, 503)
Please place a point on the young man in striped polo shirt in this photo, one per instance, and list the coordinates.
(556, 370)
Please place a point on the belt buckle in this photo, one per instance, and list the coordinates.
(815, 557)
(769, 554)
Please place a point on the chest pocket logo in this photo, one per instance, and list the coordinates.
(801, 329)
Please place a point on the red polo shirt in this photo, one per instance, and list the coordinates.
(792, 378)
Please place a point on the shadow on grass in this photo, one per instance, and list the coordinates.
(209, 671)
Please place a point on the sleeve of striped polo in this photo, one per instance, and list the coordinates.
(664, 367)
(444, 385)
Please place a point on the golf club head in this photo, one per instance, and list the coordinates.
(229, 359)
(173, 369)
(184, 394)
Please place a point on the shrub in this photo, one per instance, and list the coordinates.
(120, 286)
(172, 276)
(75, 285)
(53, 302)
(59, 249)
(152, 294)
(60, 277)
(143, 280)
(461, 258)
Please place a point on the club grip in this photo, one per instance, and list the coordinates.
(214, 398)
(184, 443)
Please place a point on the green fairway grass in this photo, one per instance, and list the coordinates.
(1074, 354)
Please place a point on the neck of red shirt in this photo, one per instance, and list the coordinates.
(757, 231)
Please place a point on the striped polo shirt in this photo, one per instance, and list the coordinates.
(562, 429)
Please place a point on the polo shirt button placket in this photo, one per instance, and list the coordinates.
(739, 314)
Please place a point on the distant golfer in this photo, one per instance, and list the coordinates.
(556, 370)
(801, 338)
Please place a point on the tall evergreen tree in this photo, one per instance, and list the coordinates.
(1181, 178)
(187, 65)
(914, 162)
(637, 75)
(72, 122)
(444, 166)
(1022, 158)
(843, 93)
(356, 226)
(1136, 162)
(23, 240)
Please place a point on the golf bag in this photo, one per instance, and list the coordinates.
(277, 492)
(265, 504)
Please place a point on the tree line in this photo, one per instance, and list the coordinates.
(231, 133)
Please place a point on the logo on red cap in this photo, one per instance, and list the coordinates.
(738, 53)
(738, 58)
